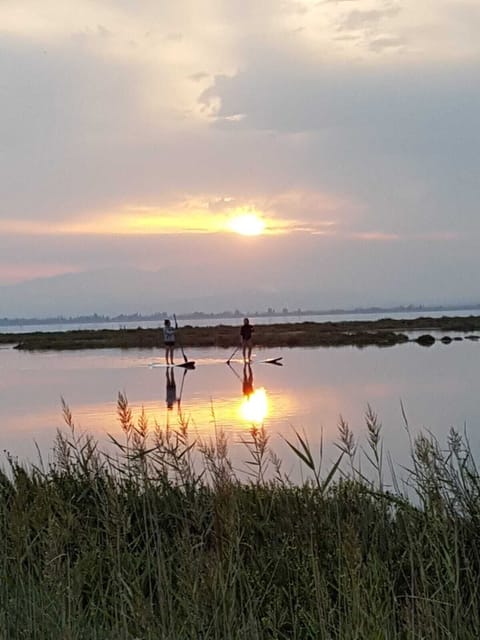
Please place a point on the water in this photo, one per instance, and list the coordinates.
(438, 387)
(208, 322)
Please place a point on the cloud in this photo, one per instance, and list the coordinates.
(377, 236)
(401, 144)
(65, 118)
(385, 43)
(278, 95)
(349, 124)
(199, 75)
(358, 19)
(284, 212)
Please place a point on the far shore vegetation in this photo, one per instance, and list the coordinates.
(161, 539)
(270, 312)
(385, 332)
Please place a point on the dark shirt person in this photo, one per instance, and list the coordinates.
(246, 331)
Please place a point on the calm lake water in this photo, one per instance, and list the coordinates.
(438, 387)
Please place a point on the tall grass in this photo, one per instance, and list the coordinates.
(163, 540)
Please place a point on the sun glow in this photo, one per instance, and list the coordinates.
(254, 408)
(247, 224)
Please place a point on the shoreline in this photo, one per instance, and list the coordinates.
(361, 333)
(220, 317)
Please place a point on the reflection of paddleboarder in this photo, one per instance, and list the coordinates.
(171, 396)
(247, 384)
(171, 391)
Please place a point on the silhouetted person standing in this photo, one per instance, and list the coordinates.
(246, 335)
(169, 340)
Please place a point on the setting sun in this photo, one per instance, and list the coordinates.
(247, 224)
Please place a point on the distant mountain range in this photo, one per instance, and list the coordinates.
(125, 294)
(108, 292)
(126, 291)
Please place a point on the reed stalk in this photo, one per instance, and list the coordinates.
(162, 539)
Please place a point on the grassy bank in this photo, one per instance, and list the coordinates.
(153, 545)
(383, 333)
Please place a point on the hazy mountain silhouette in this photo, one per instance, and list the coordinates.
(127, 290)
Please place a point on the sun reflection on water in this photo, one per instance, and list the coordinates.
(254, 407)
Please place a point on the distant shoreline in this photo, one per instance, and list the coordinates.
(200, 315)
(361, 333)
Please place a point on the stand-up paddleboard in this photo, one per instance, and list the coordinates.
(190, 364)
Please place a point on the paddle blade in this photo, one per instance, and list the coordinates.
(274, 361)
(189, 364)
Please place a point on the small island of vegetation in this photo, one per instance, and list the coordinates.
(361, 333)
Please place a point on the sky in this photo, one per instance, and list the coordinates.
(248, 153)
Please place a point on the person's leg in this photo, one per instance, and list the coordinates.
(249, 351)
(172, 349)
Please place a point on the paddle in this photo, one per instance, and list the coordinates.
(188, 364)
(236, 349)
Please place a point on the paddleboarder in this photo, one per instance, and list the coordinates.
(169, 340)
(246, 331)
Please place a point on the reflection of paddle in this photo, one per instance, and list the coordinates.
(188, 364)
(232, 369)
(236, 349)
(181, 388)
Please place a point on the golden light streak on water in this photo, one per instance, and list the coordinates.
(255, 407)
